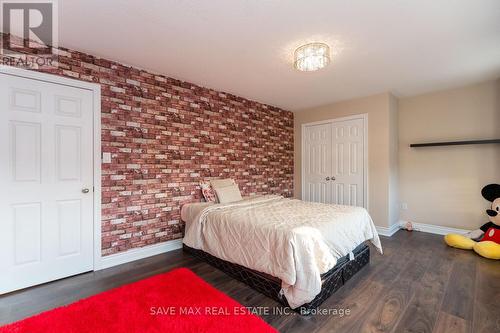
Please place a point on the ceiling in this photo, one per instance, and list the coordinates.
(245, 47)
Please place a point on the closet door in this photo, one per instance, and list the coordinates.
(46, 177)
(348, 162)
(317, 163)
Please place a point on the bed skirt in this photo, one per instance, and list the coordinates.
(271, 286)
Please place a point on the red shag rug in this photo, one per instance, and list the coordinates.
(177, 301)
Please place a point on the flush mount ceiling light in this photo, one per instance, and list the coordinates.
(311, 57)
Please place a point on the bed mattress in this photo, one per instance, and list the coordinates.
(292, 240)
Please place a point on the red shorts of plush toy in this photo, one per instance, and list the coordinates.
(492, 234)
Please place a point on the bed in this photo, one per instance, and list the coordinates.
(295, 252)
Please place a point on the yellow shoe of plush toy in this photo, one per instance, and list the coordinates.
(488, 249)
(459, 241)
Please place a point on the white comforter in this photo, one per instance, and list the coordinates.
(290, 239)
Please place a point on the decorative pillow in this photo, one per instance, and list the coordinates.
(228, 193)
(217, 183)
(208, 192)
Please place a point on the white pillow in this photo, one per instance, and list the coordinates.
(217, 183)
(228, 193)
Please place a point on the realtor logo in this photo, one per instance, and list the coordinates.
(29, 26)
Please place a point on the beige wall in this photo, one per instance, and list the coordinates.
(442, 185)
(393, 160)
(381, 154)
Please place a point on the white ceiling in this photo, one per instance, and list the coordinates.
(245, 46)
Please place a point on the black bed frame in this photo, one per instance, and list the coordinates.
(271, 286)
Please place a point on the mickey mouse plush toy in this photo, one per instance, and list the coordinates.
(485, 240)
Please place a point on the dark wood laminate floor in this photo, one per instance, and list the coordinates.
(418, 285)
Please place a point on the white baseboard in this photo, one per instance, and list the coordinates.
(138, 253)
(152, 250)
(429, 228)
(435, 229)
(388, 231)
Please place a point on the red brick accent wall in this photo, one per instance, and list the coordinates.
(164, 136)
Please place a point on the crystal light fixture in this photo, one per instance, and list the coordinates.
(311, 57)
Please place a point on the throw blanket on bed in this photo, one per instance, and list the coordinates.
(293, 240)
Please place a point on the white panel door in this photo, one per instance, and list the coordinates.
(333, 162)
(348, 162)
(45, 166)
(317, 162)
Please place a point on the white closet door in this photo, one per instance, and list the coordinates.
(317, 163)
(334, 168)
(348, 162)
(45, 168)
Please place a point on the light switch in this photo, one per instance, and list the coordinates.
(106, 157)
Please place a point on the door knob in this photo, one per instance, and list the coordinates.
(85, 190)
(333, 178)
(327, 178)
